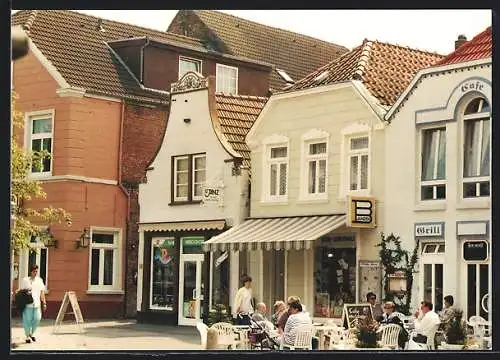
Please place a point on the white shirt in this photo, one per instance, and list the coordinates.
(243, 301)
(294, 321)
(36, 286)
(426, 325)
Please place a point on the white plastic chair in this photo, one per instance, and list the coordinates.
(226, 336)
(430, 339)
(478, 324)
(202, 329)
(389, 335)
(303, 338)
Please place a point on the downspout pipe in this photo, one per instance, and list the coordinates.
(141, 79)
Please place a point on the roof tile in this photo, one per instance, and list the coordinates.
(479, 47)
(385, 69)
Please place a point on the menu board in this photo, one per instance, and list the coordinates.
(353, 313)
(370, 276)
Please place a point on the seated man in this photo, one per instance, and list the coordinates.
(260, 312)
(427, 324)
(377, 312)
(297, 318)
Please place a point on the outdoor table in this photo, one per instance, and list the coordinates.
(242, 332)
(322, 330)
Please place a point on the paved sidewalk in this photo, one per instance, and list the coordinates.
(107, 335)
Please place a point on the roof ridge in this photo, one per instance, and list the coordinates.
(241, 96)
(271, 27)
(30, 20)
(363, 59)
(408, 47)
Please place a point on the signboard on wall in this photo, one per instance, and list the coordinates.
(475, 250)
(212, 193)
(431, 229)
(361, 212)
(370, 275)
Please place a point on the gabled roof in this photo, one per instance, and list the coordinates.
(72, 42)
(479, 47)
(384, 69)
(294, 53)
(236, 114)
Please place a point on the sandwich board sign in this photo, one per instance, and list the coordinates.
(354, 313)
(69, 298)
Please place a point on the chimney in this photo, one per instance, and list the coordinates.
(460, 41)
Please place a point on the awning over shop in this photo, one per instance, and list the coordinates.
(275, 233)
(184, 226)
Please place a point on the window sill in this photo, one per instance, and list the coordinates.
(177, 203)
(40, 176)
(312, 200)
(105, 292)
(274, 202)
(483, 203)
(433, 205)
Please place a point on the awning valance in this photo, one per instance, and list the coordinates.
(184, 226)
(275, 233)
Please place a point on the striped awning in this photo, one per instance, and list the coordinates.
(275, 233)
(184, 226)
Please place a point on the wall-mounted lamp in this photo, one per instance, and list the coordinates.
(49, 240)
(84, 239)
(397, 283)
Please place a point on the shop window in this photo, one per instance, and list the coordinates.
(433, 176)
(334, 276)
(477, 290)
(219, 287)
(162, 274)
(476, 149)
(105, 260)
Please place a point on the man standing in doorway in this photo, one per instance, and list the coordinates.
(243, 302)
(32, 313)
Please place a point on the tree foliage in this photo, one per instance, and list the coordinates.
(27, 222)
(395, 259)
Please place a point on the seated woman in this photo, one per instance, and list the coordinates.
(389, 317)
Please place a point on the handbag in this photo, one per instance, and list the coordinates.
(23, 297)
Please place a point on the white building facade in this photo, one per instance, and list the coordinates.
(438, 182)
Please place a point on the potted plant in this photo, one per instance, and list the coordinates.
(366, 332)
(456, 333)
(219, 313)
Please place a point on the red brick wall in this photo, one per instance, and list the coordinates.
(85, 143)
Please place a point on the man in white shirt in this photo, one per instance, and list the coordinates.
(297, 318)
(243, 302)
(32, 313)
(427, 325)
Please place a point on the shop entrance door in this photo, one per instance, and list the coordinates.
(477, 290)
(190, 289)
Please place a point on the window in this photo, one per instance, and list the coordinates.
(40, 127)
(477, 137)
(219, 286)
(433, 260)
(316, 159)
(189, 173)
(105, 261)
(358, 163)
(188, 64)
(285, 76)
(277, 171)
(162, 274)
(226, 79)
(37, 254)
(433, 164)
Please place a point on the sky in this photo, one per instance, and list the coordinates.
(431, 30)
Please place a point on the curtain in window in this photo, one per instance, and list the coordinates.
(485, 149)
(428, 154)
(471, 147)
(441, 166)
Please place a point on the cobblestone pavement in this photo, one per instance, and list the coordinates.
(107, 335)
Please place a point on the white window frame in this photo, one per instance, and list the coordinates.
(117, 285)
(359, 154)
(194, 157)
(433, 183)
(353, 131)
(37, 246)
(218, 67)
(273, 141)
(475, 179)
(189, 59)
(313, 136)
(181, 198)
(29, 137)
(432, 259)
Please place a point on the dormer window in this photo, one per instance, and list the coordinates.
(188, 64)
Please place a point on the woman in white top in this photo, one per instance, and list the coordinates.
(243, 302)
(32, 313)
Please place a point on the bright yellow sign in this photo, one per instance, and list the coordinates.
(361, 212)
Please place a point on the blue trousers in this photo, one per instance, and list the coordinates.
(31, 319)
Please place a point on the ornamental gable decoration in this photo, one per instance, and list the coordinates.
(188, 82)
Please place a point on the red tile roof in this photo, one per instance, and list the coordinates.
(73, 44)
(295, 53)
(236, 115)
(385, 69)
(479, 47)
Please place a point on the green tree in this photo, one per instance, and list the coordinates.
(27, 222)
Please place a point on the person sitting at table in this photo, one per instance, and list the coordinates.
(426, 325)
(448, 313)
(279, 309)
(389, 317)
(284, 316)
(297, 318)
(260, 312)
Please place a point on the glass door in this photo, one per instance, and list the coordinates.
(433, 274)
(191, 289)
(477, 290)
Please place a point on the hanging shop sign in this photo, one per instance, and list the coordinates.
(212, 193)
(361, 212)
(475, 250)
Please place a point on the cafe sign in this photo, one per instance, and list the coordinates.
(475, 250)
(361, 212)
(434, 229)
